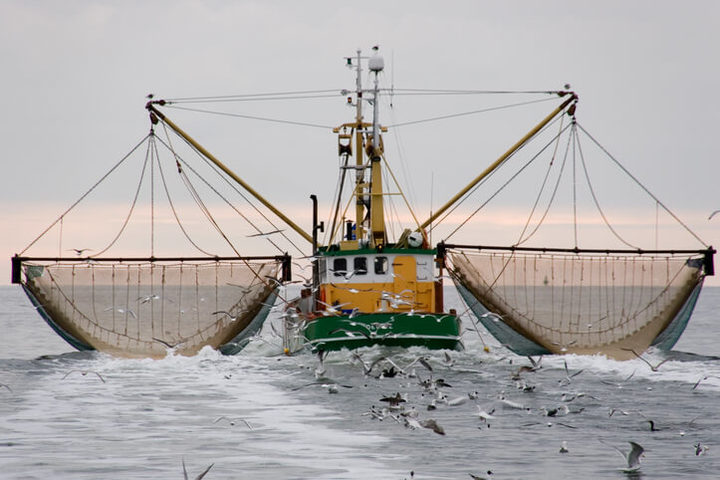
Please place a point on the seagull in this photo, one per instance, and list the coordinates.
(563, 447)
(320, 369)
(563, 346)
(199, 477)
(433, 425)
(264, 234)
(632, 457)
(227, 314)
(79, 251)
(453, 402)
(232, 421)
(367, 368)
(654, 368)
(614, 410)
(485, 416)
(147, 298)
(700, 449)
(84, 373)
(476, 477)
(703, 378)
(333, 309)
(568, 377)
(350, 333)
(242, 288)
(395, 400)
(423, 361)
(301, 267)
(168, 344)
(618, 384)
(121, 310)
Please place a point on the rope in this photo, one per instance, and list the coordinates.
(522, 240)
(574, 193)
(134, 202)
(471, 192)
(592, 192)
(513, 177)
(172, 207)
(421, 91)
(339, 186)
(643, 187)
(473, 112)
(402, 194)
(253, 117)
(250, 96)
(203, 208)
(86, 193)
(214, 168)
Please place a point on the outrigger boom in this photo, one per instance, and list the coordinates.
(155, 114)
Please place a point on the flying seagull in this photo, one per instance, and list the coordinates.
(632, 457)
(264, 234)
(84, 373)
(433, 425)
(199, 477)
(232, 421)
(227, 314)
(654, 368)
(79, 251)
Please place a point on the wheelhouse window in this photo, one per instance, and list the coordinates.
(360, 266)
(381, 265)
(339, 267)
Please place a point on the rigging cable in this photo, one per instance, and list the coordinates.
(515, 175)
(172, 207)
(574, 189)
(149, 138)
(422, 91)
(339, 186)
(592, 192)
(402, 194)
(643, 187)
(472, 112)
(555, 190)
(213, 167)
(223, 98)
(476, 187)
(252, 117)
(86, 193)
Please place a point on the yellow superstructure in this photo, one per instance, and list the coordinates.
(368, 281)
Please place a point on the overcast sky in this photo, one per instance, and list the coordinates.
(75, 75)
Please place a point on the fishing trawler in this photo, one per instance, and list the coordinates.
(369, 287)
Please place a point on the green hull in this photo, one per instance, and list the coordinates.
(430, 330)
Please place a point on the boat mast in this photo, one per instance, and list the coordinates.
(377, 218)
(359, 170)
(368, 192)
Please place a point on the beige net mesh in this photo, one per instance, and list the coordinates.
(581, 303)
(139, 309)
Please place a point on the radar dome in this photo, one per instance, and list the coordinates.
(415, 239)
(376, 63)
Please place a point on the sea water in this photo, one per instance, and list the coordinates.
(265, 415)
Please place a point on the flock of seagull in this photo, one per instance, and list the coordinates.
(425, 393)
